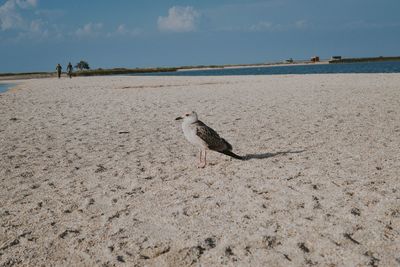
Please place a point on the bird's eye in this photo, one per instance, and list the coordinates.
(186, 115)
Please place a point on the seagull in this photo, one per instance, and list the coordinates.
(202, 136)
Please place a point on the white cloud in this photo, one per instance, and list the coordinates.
(89, 29)
(301, 24)
(26, 3)
(50, 13)
(269, 26)
(121, 29)
(124, 30)
(24, 21)
(362, 24)
(265, 26)
(9, 16)
(179, 19)
(36, 25)
(37, 30)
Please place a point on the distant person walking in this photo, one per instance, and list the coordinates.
(59, 68)
(69, 70)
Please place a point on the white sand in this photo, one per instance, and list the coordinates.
(322, 187)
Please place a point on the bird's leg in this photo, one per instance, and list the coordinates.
(202, 164)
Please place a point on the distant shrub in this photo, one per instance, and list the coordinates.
(81, 65)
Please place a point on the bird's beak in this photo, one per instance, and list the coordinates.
(179, 118)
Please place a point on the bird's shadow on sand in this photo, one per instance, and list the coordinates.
(270, 155)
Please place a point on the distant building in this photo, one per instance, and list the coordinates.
(290, 60)
(315, 59)
(336, 58)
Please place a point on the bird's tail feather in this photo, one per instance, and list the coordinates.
(228, 146)
(231, 154)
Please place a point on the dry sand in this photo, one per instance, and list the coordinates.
(321, 186)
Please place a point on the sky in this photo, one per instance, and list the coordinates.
(35, 35)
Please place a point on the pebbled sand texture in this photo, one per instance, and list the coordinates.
(95, 172)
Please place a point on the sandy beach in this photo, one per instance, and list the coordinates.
(95, 171)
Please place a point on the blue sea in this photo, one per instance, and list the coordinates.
(364, 67)
(5, 86)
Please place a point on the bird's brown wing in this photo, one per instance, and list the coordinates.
(210, 137)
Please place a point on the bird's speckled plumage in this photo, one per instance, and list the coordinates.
(204, 137)
(211, 139)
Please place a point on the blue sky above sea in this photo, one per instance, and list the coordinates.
(35, 35)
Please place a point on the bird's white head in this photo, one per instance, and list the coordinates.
(188, 117)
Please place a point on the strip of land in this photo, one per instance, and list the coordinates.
(122, 71)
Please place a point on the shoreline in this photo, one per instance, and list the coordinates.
(7, 86)
(159, 71)
(257, 66)
(121, 71)
(138, 71)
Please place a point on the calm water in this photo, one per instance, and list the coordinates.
(5, 86)
(365, 67)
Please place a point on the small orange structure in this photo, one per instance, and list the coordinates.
(315, 59)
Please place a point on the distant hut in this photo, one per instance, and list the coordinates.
(333, 58)
(290, 60)
(315, 59)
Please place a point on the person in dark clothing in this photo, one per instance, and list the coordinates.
(69, 70)
(59, 68)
